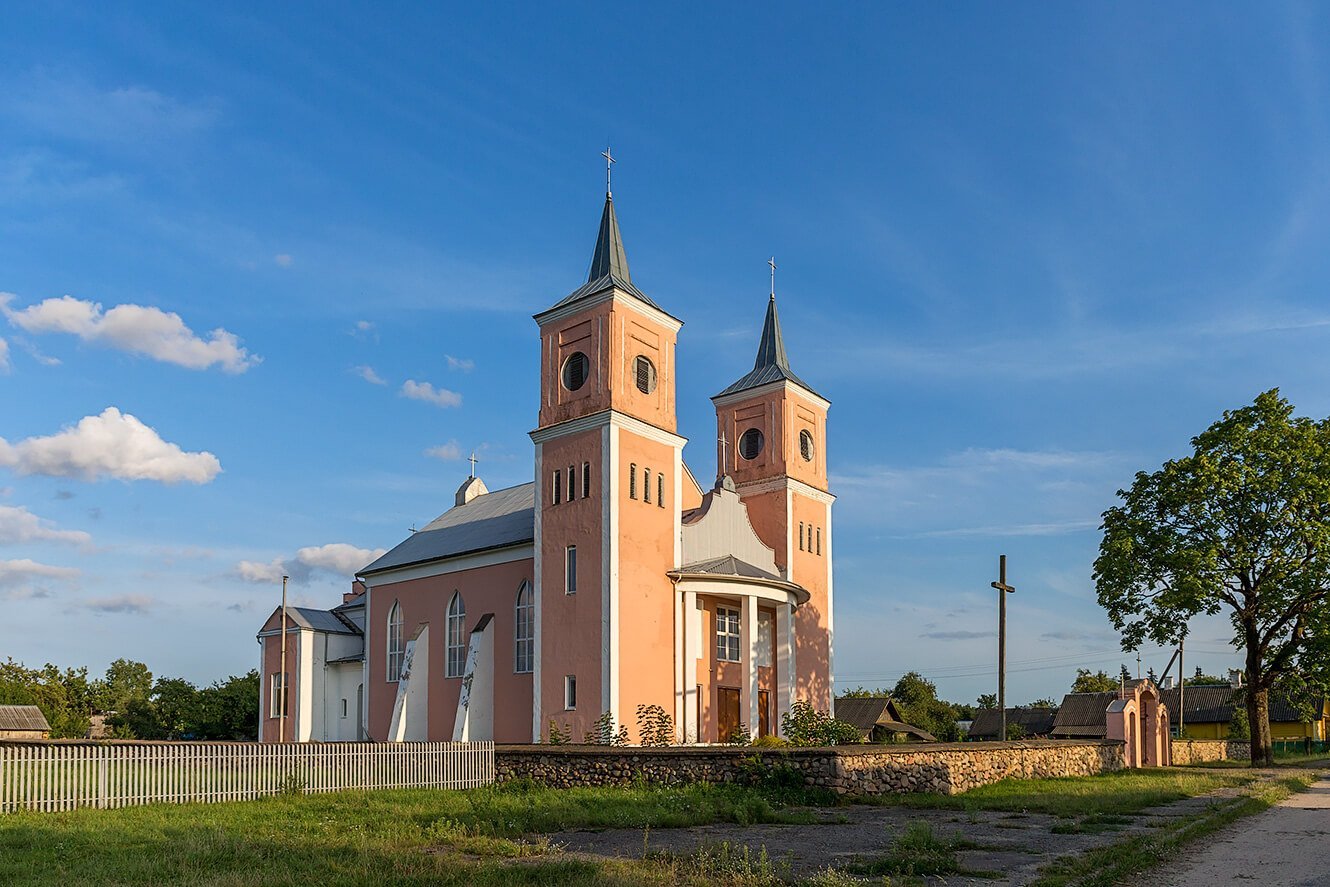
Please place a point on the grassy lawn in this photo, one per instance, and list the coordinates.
(1115, 794)
(398, 837)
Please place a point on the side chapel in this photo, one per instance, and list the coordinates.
(613, 580)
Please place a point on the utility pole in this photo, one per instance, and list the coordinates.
(281, 711)
(1182, 686)
(1003, 589)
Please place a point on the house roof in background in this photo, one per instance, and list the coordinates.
(1034, 721)
(22, 717)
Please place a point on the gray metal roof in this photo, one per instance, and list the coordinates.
(987, 722)
(1083, 714)
(22, 717)
(729, 565)
(772, 364)
(494, 520)
(867, 712)
(318, 620)
(609, 265)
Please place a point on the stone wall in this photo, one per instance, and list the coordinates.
(1198, 751)
(948, 768)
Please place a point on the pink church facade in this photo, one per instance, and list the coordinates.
(612, 580)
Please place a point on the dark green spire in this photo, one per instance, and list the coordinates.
(609, 259)
(771, 349)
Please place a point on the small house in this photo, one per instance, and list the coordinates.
(23, 722)
(878, 720)
(1033, 723)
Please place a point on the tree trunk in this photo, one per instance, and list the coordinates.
(1258, 714)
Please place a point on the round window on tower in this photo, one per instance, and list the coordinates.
(645, 371)
(806, 445)
(750, 444)
(575, 370)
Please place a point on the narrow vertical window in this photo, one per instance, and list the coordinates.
(394, 645)
(558, 485)
(801, 535)
(524, 631)
(456, 653)
(586, 479)
(572, 483)
(570, 564)
(819, 540)
(632, 481)
(660, 490)
(646, 485)
(277, 696)
(570, 691)
(343, 708)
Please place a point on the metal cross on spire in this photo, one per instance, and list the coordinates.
(720, 456)
(772, 262)
(609, 161)
(473, 460)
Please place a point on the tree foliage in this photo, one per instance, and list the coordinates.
(1241, 525)
(1093, 682)
(916, 697)
(805, 725)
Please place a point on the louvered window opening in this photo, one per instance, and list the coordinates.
(646, 485)
(645, 371)
(558, 485)
(632, 481)
(750, 444)
(586, 479)
(806, 445)
(660, 490)
(575, 370)
(572, 483)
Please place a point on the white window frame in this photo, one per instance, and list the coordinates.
(728, 635)
(279, 695)
(570, 692)
(524, 631)
(396, 646)
(455, 639)
(570, 570)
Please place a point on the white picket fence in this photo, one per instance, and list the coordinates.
(69, 776)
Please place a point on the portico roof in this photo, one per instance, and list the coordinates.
(729, 569)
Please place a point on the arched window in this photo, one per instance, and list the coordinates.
(456, 652)
(524, 631)
(395, 645)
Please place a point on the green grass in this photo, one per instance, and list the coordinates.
(920, 853)
(1105, 866)
(1122, 793)
(400, 837)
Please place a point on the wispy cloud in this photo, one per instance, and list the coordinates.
(129, 604)
(137, 329)
(4, 356)
(25, 570)
(440, 397)
(336, 559)
(18, 525)
(77, 109)
(282, 260)
(448, 452)
(367, 373)
(113, 444)
(460, 363)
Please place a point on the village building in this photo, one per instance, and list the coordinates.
(1134, 715)
(611, 581)
(879, 720)
(1028, 723)
(23, 722)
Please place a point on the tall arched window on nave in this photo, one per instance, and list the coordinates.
(456, 652)
(395, 645)
(524, 631)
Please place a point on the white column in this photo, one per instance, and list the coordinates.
(680, 682)
(691, 649)
(784, 663)
(748, 643)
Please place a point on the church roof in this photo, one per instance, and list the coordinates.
(609, 266)
(772, 364)
(729, 565)
(494, 520)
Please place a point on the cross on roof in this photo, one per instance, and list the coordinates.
(772, 262)
(609, 161)
(473, 460)
(720, 447)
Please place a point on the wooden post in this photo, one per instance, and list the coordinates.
(1003, 589)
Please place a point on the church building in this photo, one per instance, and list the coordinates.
(612, 580)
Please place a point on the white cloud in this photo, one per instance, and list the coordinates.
(24, 571)
(336, 558)
(4, 356)
(440, 397)
(282, 260)
(449, 452)
(460, 363)
(113, 444)
(137, 329)
(120, 603)
(367, 373)
(18, 525)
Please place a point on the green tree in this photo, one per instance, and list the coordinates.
(125, 680)
(1241, 524)
(916, 697)
(987, 700)
(1093, 682)
(229, 709)
(1043, 703)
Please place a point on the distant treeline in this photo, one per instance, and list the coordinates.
(135, 705)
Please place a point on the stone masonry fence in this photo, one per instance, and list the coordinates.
(948, 768)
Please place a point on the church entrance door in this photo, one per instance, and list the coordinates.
(727, 709)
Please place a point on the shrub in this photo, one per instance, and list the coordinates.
(602, 732)
(740, 735)
(559, 735)
(805, 725)
(771, 741)
(655, 727)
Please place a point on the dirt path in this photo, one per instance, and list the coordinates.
(1014, 846)
(1286, 846)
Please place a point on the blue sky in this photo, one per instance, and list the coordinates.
(1025, 251)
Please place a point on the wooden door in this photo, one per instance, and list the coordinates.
(727, 711)
(763, 712)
